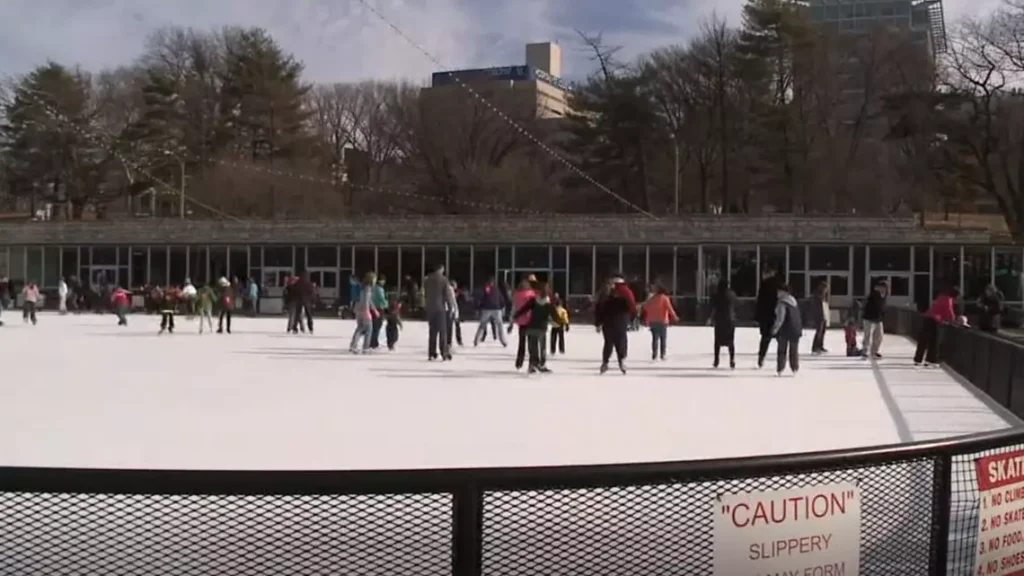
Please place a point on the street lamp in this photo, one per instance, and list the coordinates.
(181, 191)
(675, 173)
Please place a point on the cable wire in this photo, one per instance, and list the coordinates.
(502, 115)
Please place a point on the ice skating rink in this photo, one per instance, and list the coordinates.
(78, 391)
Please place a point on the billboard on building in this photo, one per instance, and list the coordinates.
(519, 73)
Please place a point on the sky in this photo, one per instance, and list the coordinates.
(342, 41)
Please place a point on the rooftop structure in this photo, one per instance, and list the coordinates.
(923, 18)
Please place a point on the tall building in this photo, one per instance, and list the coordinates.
(924, 19)
(535, 87)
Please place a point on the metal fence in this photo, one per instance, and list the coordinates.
(919, 509)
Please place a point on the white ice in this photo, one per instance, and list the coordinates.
(78, 391)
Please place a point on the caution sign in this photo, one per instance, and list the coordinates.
(1000, 515)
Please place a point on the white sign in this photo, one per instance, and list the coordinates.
(1000, 515)
(803, 532)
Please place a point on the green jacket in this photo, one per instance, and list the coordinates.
(204, 299)
(380, 298)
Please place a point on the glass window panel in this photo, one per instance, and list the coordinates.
(34, 264)
(773, 258)
(505, 258)
(300, 258)
(387, 266)
(606, 262)
(532, 258)
(218, 264)
(922, 298)
(85, 256)
(197, 270)
(158, 265)
(558, 283)
(104, 256)
(860, 289)
(69, 263)
(839, 285)
(829, 258)
(797, 283)
(1008, 273)
(345, 257)
(743, 275)
(179, 269)
(277, 257)
(716, 262)
(797, 258)
(51, 267)
(256, 257)
(364, 261)
(322, 256)
(459, 263)
(558, 257)
(485, 266)
(122, 256)
(16, 271)
(661, 259)
(977, 271)
(891, 258)
(922, 260)
(412, 265)
(634, 265)
(140, 266)
(240, 263)
(945, 269)
(686, 271)
(434, 256)
(581, 270)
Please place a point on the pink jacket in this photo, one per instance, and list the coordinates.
(520, 298)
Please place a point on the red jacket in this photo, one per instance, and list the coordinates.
(942, 309)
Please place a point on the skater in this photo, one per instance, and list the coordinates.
(62, 297)
(540, 311)
(30, 297)
(767, 302)
(302, 295)
(942, 311)
(850, 332)
(874, 314)
(614, 310)
(365, 312)
(820, 316)
(438, 303)
(723, 314)
(227, 300)
(559, 327)
(454, 317)
(380, 302)
(204, 307)
(788, 329)
(520, 297)
(120, 300)
(491, 304)
(289, 298)
(991, 303)
(660, 314)
(168, 308)
(188, 296)
(394, 324)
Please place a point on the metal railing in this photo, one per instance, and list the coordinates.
(918, 509)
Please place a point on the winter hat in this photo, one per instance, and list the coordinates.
(223, 281)
(618, 279)
(531, 278)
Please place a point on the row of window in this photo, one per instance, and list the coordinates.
(914, 273)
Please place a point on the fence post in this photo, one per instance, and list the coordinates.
(943, 502)
(467, 530)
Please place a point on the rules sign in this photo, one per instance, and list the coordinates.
(811, 531)
(1000, 515)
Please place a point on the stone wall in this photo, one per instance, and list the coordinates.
(723, 229)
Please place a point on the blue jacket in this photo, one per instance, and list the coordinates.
(380, 297)
(355, 290)
(489, 298)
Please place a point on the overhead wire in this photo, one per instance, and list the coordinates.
(516, 125)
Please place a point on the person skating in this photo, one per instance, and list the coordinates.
(188, 297)
(290, 299)
(380, 302)
(364, 312)
(227, 301)
(850, 333)
(942, 310)
(168, 308)
(767, 302)
(723, 315)
(62, 297)
(455, 316)
(204, 307)
(559, 327)
(874, 314)
(438, 303)
(991, 303)
(613, 312)
(303, 297)
(394, 323)
(788, 329)
(520, 297)
(540, 311)
(820, 316)
(659, 314)
(120, 301)
(490, 303)
(30, 298)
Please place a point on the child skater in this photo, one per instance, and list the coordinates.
(560, 327)
(850, 331)
(540, 311)
(659, 314)
(119, 299)
(394, 318)
(167, 310)
(204, 307)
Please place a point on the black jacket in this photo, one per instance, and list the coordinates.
(540, 314)
(874, 309)
(991, 311)
(767, 300)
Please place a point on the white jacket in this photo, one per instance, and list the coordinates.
(62, 289)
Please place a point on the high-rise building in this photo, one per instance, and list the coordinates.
(924, 19)
(535, 87)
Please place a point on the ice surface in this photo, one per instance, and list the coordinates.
(78, 391)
